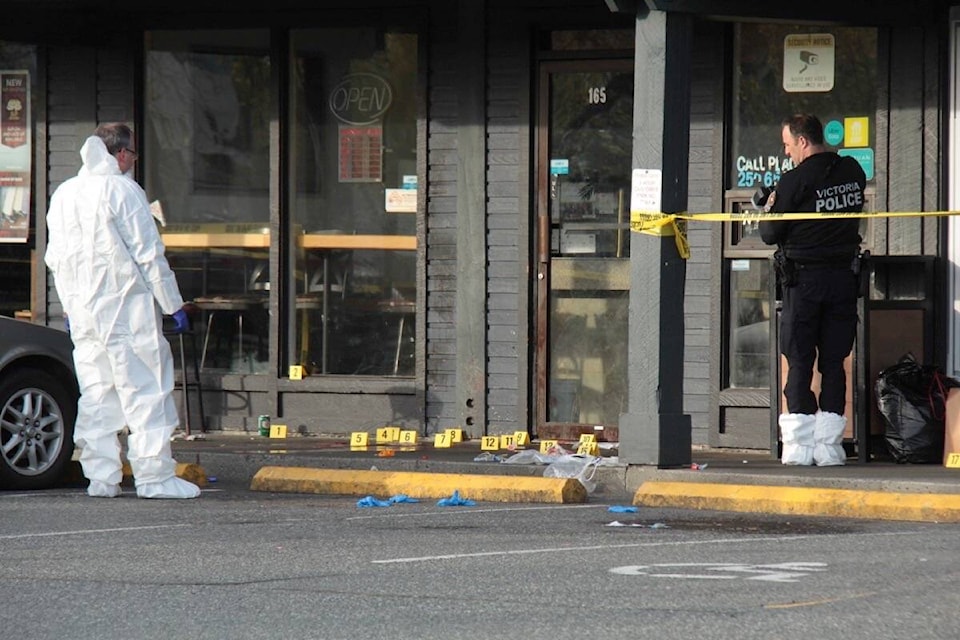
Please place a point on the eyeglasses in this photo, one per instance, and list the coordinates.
(131, 152)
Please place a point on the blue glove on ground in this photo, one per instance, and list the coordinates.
(370, 501)
(181, 321)
(621, 509)
(455, 501)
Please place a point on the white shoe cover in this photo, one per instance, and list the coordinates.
(97, 489)
(796, 433)
(828, 438)
(171, 488)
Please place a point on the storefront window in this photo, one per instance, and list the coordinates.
(352, 152)
(205, 154)
(749, 321)
(18, 69)
(780, 70)
(785, 69)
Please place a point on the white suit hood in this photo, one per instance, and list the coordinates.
(97, 161)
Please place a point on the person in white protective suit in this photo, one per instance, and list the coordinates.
(113, 279)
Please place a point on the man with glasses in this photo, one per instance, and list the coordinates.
(113, 280)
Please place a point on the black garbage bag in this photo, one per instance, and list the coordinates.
(912, 400)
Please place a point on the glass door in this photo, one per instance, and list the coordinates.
(584, 147)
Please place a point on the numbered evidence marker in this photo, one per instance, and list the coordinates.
(507, 441)
(521, 438)
(408, 436)
(441, 440)
(546, 445)
(588, 445)
(296, 372)
(456, 435)
(953, 460)
(489, 443)
(359, 439)
(388, 435)
(278, 431)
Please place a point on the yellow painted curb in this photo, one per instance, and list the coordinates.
(383, 484)
(842, 503)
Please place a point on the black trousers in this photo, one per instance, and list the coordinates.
(818, 322)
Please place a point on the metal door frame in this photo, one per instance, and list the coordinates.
(541, 167)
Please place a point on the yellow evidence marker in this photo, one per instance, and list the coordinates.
(546, 445)
(359, 439)
(388, 435)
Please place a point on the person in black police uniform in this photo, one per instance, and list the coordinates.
(817, 267)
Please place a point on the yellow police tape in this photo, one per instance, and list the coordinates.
(674, 224)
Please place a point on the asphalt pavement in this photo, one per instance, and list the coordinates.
(723, 480)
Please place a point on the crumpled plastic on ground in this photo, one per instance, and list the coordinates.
(583, 468)
(486, 456)
(640, 525)
(532, 456)
(455, 501)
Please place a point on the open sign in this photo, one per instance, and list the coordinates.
(360, 98)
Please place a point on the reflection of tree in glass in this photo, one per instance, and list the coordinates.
(593, 130)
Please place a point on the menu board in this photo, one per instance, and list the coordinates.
(361, 153)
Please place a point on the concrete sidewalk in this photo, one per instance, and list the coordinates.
(723, 480)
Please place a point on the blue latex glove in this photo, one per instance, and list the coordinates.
(66, 323)
(370, 501)
(621, 509)
(455, 501)
(181, 321)
(402, 498)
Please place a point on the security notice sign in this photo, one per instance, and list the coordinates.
(15, 156)
(808, 62)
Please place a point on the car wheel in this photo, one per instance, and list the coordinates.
(37, 413)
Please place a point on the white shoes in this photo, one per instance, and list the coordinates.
(828, 440)
(171, 489)
(796, 433)
(98, 489)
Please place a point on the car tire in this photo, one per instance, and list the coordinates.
(37, 414)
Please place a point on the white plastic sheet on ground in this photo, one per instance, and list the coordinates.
(564, 465)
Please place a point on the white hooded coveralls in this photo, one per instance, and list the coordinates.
(111, 274)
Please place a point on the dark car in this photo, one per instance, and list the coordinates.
(38, 404)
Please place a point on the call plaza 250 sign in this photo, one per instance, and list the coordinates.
(360, 98)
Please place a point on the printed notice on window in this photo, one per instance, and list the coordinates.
(808, 62)
(15, 156)
(361, 154)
